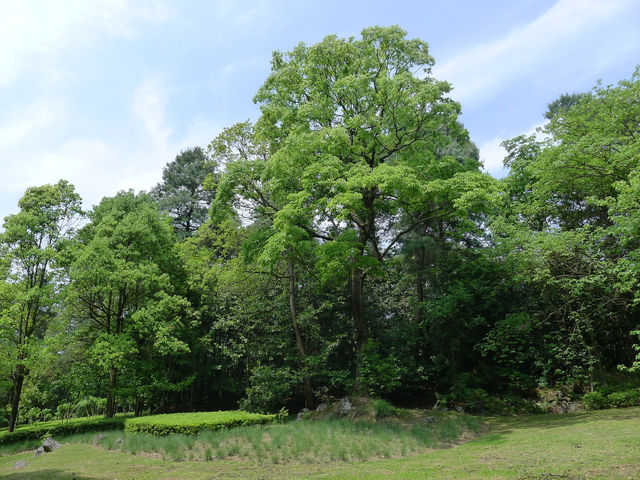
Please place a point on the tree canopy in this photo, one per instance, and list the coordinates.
(347, 241)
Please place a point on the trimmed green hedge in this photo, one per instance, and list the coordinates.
(193, 423)
(62, 427)
(598, 401)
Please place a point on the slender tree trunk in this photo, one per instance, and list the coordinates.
(308, 391)
(420, 284)
(357, 310)
(18, 380)
(111, 399)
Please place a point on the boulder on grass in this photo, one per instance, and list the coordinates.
(50, 445)
(98, 437)
(19, 464)
(39, 451)
(429, 420)
(304, 413)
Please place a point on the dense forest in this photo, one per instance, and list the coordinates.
(346, 242)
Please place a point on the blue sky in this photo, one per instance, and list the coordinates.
(105, 93)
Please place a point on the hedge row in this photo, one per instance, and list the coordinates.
(193, 423)
(598, 401)
(62, 427)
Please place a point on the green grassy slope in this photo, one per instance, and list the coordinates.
(601, 444)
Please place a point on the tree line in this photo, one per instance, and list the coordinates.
(345, 242)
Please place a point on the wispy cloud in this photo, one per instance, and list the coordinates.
(492, 153)
(149, 108)
(97, 166)
(20, 126)
(479, 73)
(34, 33)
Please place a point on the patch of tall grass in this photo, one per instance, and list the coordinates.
(307, 442)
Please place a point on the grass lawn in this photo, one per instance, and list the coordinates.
(600, 444)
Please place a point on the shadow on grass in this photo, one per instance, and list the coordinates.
(47, 475)
(503, 425)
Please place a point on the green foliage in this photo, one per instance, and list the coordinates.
(379, 375)
(35, 251)
(597, 401)
(594, 401)
(353, 244)
(194, 423)
(383, 409)
(514, 347)
(270, 389)
(569, 227)
(62, 427)
(182, 192)
(126, 294)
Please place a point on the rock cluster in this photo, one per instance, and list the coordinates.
(49, 445)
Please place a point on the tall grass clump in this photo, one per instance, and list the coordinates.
(308, 442)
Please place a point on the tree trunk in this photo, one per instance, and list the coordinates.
(308, 391)
(357, 310)
(111, 399)
(420, 283)
(18, 380)
(138, 409)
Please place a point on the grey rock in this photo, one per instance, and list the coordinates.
(19, 464)
(39, 451)
(573, 407)
(97, 438)
(429, 420)
(345, 406)
(119, 441)
(321, 408)
(459, 409)
(50, 445)
(303, 414)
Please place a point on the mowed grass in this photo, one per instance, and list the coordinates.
(601, 444)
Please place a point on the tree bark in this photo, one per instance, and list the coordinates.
(420, 283)
(18, 381)
(357, 310)
(111, 399)
(308, 391)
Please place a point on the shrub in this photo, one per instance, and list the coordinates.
(193, 423)
(597, 401)
(630, 398)
(594, 401)
(59, 427)
(383, 409)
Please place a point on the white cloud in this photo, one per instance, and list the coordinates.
(149, 108)
(249, 15)
(492, 153)
(26, 123)
(481, 72)
(33, 34)
(30, 154)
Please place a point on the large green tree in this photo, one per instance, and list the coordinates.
(355, 126)
(34, 246)
(125, 295)
(569, 226)
(277, 247)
